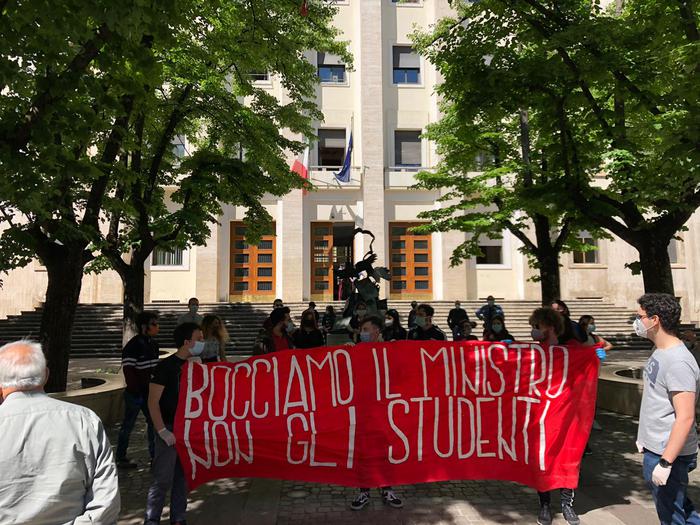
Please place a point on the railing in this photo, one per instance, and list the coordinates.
(323, 177)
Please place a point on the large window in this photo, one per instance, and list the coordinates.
(406, 65)
(259, 76)
(252, 266)
(587, 256)
(331, 69)
(491, 251)
(331, 147)
(179, 147)
(163, 257)
(407, 148)
(675, 251)
(409, 261)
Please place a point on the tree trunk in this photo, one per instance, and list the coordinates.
(133, 279)
(64, 267)
(655, 265)
(550, 283)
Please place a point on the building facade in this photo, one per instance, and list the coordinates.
(385, 102)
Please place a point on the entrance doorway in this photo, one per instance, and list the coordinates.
(331, 250)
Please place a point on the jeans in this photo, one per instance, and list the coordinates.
(672, 504)
(167, 476)
(134, 404)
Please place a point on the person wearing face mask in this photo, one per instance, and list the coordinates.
(412, 315)
(547, 325)
(425, 330)
(455, 317)
(464, 331)
(666, 433)
(215, 339)
(393, 331)
(308, 335)
(498, 331)
(274, 336)
(163, 397)
(572, 330)
(356, 321)
(371, 332)
(191, 316)
(488, 311)
(587, 324)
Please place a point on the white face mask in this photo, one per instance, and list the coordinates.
(640, 329)
(361, 313)
(388, 323)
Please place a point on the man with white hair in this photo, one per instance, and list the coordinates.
(56, 464)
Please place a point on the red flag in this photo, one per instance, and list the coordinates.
(301, 164)
(304, 9)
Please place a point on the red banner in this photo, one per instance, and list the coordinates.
(381, 414)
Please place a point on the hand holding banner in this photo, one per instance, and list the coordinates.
(382, 414)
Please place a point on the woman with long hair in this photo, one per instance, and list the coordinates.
(215, 339)
(393, 331)
(497, 331)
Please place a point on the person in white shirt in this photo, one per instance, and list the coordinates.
(56, 462)
(191, 316)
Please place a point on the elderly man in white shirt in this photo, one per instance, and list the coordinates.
(56, 464)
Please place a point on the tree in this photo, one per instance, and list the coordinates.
(501, 164)
(82, 84)
(633, 106)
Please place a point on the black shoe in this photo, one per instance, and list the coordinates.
(360, 501)
(545, 515)
(570, 515)
(588, 451)
(126, 463)
(389, 498)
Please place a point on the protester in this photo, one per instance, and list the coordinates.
(455, 317)
(498, 331)
(191, 316)
(312, 308)
(588, 327)
(215, 339)
(667, 434)
(547, 326)
(412, 315)
(308, 335)
(425, 330)
(488, 311)
(572, 330)
(277, 303)
(464, 331)
(139, 356)
(328, 319)
(371, 332)
(56, 462)
(393, 331)
(275, 337)
(355, 320)
(162, 402)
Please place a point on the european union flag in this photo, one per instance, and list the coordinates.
(344, 174)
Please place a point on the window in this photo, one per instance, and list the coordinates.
(164, 257)
(589, 256)
(407, 148)
(264, 257)
(265, 272)
(674, 251)
(331, 147)
(410, 260)
(331, 69)
(264, 286)
(406, 65)
(265, 245)
(409, 2)
(259, 76)
(179, 149)
(491, 255)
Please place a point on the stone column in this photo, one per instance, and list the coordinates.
(206, 280)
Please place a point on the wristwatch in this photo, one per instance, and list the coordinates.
(665, 464)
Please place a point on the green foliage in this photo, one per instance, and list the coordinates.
(95, 94)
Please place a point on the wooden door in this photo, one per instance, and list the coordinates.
(322, 261)
(253, 268)
(410, 262)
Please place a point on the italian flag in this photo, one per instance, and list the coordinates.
(301, 164)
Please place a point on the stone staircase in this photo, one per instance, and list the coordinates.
(97, 330)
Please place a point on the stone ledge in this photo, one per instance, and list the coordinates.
(106, 399)
(620, 393)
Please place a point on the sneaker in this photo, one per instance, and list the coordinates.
(545, 515)
(360, 501)
(570, 515)
(391, 499)
(126, 463)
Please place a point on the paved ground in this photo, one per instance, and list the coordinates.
(610, 492)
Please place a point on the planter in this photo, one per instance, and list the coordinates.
(620, 389)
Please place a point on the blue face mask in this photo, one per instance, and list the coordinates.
(197, 349)
(365, 337)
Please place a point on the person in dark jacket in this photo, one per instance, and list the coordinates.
(393, 331)
(464, 331)
(498, 331)
(139, 358)
(425, 330)
(308, 335)
(412, 315)
(488, 311)
(455, 317)
(572, 330)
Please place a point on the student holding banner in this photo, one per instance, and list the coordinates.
(371, 332)
(547, 326)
